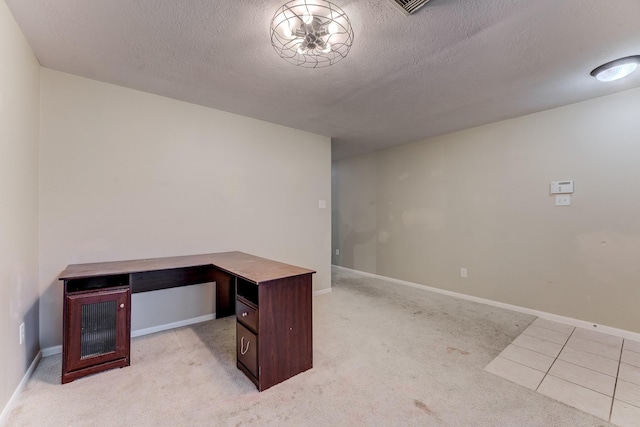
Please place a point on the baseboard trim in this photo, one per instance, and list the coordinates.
(50, 351)
(542, 314)
(322, 292)
(12, 401)
(57, 349)
(172, 325)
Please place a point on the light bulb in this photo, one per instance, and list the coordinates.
(287, 30)
(333, 28)
(307, 18)
(327, 48)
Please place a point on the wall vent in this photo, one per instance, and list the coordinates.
(409, 6)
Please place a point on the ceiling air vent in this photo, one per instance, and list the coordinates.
(409, 6)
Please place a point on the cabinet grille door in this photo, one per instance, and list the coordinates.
(98, 335)
(97, 329)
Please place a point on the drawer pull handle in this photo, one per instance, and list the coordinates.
(243, 351)
(244, 314)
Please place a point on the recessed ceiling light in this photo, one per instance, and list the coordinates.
(617, 69)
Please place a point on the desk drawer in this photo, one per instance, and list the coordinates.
(247, 349)
(247, 314)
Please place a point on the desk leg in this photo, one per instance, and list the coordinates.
(225, 294)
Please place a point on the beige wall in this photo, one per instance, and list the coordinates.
(19, 110)
(355, 216)
(480, 199)
(126, 174)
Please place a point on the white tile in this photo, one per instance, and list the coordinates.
(628, 392)
(536, 344)
(577, 396)
(598, 336)
(625, 415)
(515, 372)
(630, 357)
(588, 360)
(554, 326)
(527, 357)
(588, 378)
(629, 373)
(594, 347)
(632, 345)
(546, 334)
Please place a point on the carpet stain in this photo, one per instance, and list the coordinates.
(423, 406)
(457, 350)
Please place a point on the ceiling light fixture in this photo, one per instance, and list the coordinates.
(617, 69)
(311, 33)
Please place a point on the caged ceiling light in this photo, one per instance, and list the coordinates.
(311, 33)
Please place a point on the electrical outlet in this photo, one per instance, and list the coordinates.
(463, 272)
(22, 333)
(337, 251)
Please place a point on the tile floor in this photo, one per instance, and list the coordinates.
(591, 371)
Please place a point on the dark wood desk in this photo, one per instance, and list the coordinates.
(272, 300)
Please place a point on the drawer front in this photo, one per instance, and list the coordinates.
(247, 315)
(247, 349)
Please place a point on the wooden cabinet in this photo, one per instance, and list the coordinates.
(274, 329)
(96, 330)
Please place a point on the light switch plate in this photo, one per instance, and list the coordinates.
(563, 200)
(322, 204)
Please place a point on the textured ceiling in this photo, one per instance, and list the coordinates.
(452, 65)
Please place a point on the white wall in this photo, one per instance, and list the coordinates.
(480, 199)
(126, 174)
(19, 110)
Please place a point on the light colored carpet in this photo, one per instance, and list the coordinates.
(384, 355)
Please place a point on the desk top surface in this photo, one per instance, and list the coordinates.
(250, 267)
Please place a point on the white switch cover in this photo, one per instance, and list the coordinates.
(563, 200)
(322, 204)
